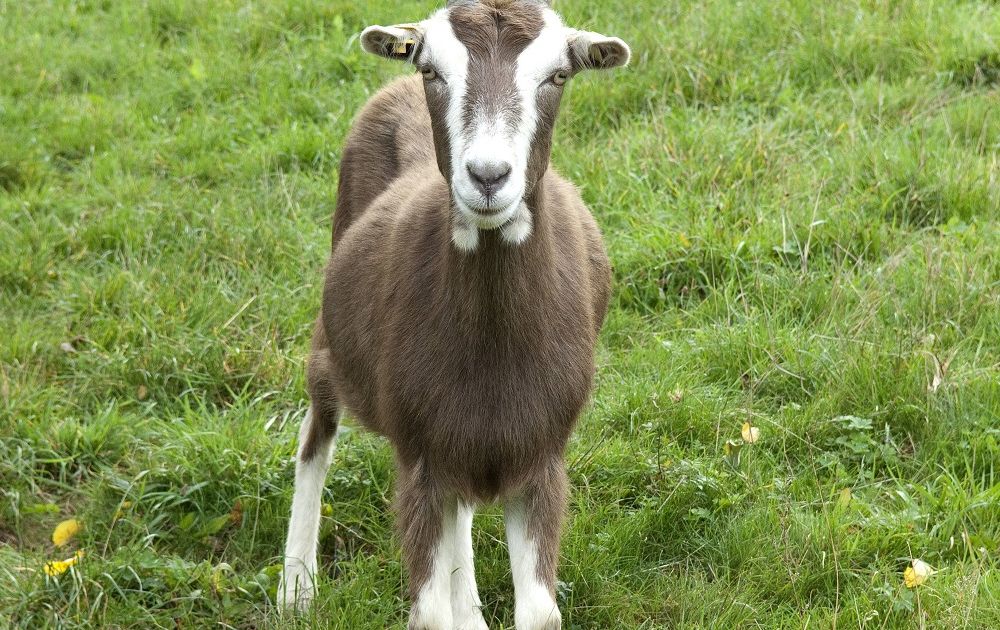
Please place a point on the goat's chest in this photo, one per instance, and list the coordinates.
(487, 400)
(493, 371)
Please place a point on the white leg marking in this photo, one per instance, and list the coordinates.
(534, 608)
(296, 588)
(432, 608)
(465, 603)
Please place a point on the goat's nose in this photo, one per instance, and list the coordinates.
(488, 175)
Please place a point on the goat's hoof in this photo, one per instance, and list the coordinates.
(537, 614)
(296, 590)
(432, 621)
(472, 621)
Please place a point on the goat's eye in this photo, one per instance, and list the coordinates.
(429, 73)
(560, 78)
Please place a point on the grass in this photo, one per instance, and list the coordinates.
(801, 201)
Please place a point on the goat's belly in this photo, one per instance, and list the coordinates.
(484, 425)
(486, 469)
(486, 452)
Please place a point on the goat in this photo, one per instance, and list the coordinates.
(463, 299)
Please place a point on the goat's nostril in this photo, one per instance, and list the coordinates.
(488, 175)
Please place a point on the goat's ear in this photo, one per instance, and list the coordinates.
(399, 42)
(595, 51)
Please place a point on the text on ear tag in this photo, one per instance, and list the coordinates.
(404, 47)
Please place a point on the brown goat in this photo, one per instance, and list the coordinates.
(464, 295)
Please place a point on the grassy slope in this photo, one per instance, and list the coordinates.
(801, 201)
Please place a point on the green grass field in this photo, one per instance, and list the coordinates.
(801, 201)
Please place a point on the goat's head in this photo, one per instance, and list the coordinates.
(494, 72)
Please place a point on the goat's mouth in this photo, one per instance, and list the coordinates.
(487, 205)
(487, 216)
(489, 209)
(477, 200)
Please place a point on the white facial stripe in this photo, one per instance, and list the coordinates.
(542, 56)
(444, 51)
(450, 58)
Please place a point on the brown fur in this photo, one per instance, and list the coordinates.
(475, 365)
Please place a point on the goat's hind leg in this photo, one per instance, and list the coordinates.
(316, 445)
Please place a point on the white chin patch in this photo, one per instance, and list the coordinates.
(519, 228)
(464, 236)
(515, 225)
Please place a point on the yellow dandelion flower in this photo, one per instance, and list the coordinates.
(750, 433)
(120, 513)
(58, 567)
(917, 573)
(65, 531)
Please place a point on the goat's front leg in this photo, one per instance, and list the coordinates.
(465, 603)
(533, 521)
(316, 444)
(427, 520)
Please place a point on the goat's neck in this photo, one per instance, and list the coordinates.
(497, 286)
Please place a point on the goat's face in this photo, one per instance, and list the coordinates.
(493, 75)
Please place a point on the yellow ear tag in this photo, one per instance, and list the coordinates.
(404, 47)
